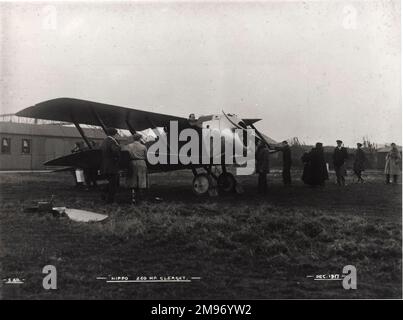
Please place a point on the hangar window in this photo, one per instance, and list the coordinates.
(26, 146)
(5, 145)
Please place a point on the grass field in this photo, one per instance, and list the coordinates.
(242, 246)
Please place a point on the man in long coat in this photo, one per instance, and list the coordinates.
(110, 148)
(359, 162)
(392, 166)
(340, 155)
(315, 170)
(286, 151)
(137, 172)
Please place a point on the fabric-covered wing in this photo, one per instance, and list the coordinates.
(86, 159)
(88, 112)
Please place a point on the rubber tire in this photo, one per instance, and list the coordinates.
(201, 188)
(226, 182)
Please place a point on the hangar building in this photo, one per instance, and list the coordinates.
(26, 146)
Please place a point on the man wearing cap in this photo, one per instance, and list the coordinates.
(339, 157)
(286, 151)
(137, 171)
(359, 162)
(110, 149)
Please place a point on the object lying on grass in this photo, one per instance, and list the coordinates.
(40, 206)
(80, 215)
(73, 214)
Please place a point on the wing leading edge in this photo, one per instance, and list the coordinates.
(91, 113)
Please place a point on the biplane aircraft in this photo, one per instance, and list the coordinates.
(82, 112)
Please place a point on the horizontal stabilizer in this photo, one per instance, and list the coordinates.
(248, 122)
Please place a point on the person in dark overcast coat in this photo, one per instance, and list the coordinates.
(359, 162)
(286, 151)
(110, 149)
(315, 170)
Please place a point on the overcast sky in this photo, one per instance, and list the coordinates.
(319, 71)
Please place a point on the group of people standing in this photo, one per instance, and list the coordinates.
(315, 172)
(315, 168)
(137, 180)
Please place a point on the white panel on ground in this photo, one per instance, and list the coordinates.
(84, 216)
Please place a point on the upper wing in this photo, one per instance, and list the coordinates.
(89, 112)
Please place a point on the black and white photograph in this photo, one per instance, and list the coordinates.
(200, 150)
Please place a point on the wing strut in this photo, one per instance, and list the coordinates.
(131, 129)
(259, 134)
(77, 125)
(154, 129)
(82, 134)
(100, 122)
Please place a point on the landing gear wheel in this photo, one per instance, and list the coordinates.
(201, 184)
(226, 182)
